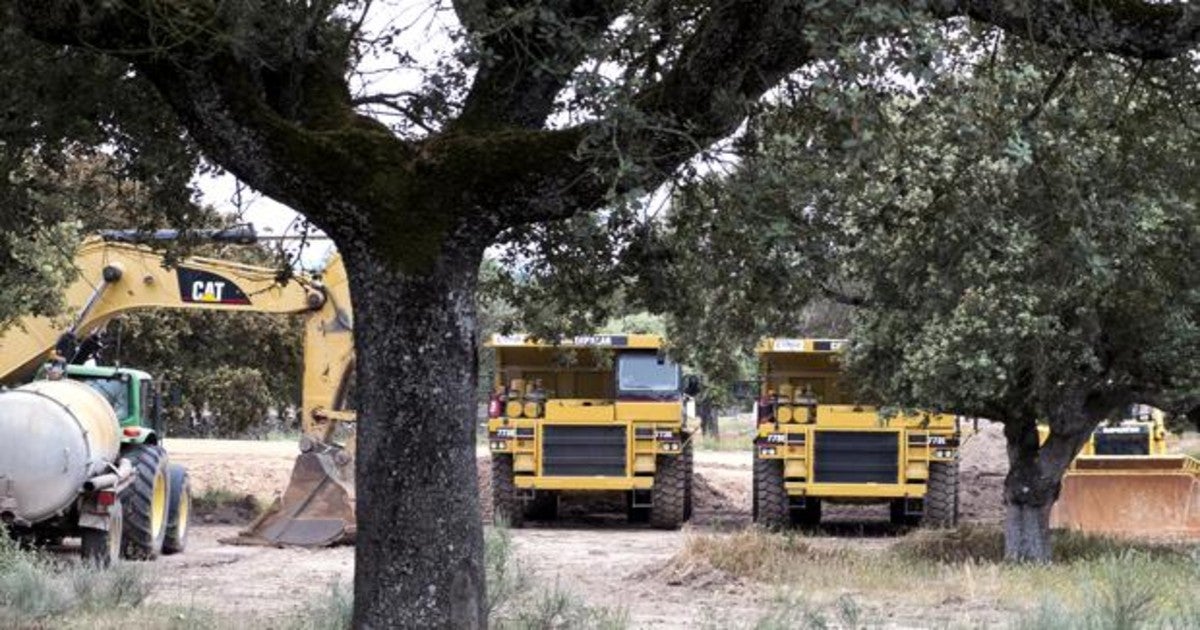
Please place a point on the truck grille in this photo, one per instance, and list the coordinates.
(583, 451)
(1122, 443)
(855, 457)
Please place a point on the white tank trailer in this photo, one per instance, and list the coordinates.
(60, 466)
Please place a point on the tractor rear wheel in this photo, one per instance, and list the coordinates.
(507, 507)
(146, 501)
(179, 511)
(941, 495)
(101, 547)
(770, 496)
(668, 498)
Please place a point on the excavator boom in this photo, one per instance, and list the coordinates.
(117, 273)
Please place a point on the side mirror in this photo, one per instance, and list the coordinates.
(691, 385)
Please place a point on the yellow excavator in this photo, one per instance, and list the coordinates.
(119, 272)
(1125, 483)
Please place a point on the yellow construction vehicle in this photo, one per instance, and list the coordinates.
(118, 273)
(815, 443)
(601, 413)
(1124, 482)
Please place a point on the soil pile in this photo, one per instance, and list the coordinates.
(983, 463)
(236, 511)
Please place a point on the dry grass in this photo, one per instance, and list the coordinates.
(952, 575)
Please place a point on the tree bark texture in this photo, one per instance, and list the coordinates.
(420, 539)
(1032, 486)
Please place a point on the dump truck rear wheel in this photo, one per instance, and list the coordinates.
(146, 501)
(100, 547)
(808, 516)
(770, 497)
(179, 512)
(941, 495)
(669, 496)
(506, 505)
(899, 518)
(543, 507)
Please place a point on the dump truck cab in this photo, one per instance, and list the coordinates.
(597, 413)
(816, 443)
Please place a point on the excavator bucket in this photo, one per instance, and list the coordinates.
(1144, 497)
(316, 509)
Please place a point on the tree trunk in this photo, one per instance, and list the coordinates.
(418, 562)
(708, 419)
(1033, 483)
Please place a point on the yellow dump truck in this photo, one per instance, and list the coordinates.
(1125, 483)
(815, 443)
(600, 413)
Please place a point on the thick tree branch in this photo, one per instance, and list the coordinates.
(528, 51)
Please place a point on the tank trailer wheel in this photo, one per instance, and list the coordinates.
(941, 495)
(146, 501)
(179, 510)
(506, 505)
(668, 497)
(770, 497)
(100, 547)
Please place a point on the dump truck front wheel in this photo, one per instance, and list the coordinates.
(507, 507)
(103, 547)
(179, 511)
(941, 495)
(146, 501)
(770, 496)
(669, 497)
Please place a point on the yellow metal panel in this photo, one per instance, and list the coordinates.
(580, 410)
(795, 468)
(643, 463)
(650, 411)
(856, 490)
(523, 462)
(916, 471)
(615, 341)
(585, 483)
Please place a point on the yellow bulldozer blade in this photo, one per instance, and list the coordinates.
(1156, 496)
(316, 509)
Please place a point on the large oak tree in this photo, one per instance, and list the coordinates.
(548, 110)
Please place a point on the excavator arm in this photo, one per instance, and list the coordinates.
(118, 273)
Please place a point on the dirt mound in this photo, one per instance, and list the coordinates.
(983, 463)
(234, 511)
(708, 496)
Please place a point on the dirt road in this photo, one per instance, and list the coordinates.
(601, 560)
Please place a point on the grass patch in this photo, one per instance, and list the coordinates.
(40, 590)
(986, 545)
(1096, 582)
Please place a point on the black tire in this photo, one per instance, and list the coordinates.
(146, 503)
(809, 516)
(689, 471)
(100, 547)
(770, 496)
(669, 494)
(506, 506)
(179, 510)
(941, 496)
(754, 487)
(543, 507)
